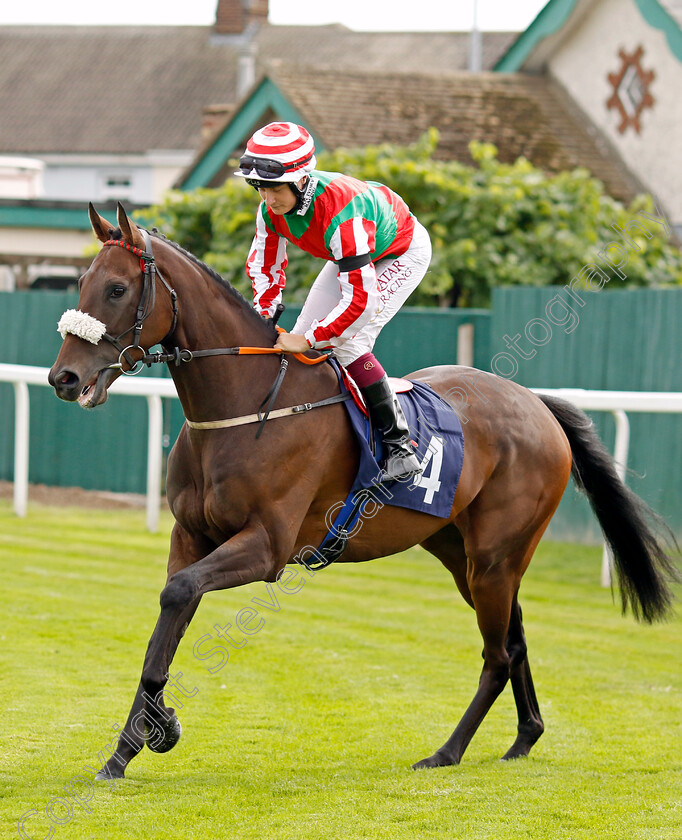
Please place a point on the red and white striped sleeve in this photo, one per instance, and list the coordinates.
(265, 267)
(351, 244)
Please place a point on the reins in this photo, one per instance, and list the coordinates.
(179, 355)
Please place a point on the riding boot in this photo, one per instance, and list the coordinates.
(400, 461)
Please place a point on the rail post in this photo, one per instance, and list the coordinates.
(21, 445)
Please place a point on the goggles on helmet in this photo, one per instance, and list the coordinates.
(264, 168)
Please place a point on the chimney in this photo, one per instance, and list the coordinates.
(233, 17)
(475, 47)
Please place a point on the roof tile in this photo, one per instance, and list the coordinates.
(123, 89)
(522, 115)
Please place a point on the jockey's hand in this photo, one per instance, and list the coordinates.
(292, 343)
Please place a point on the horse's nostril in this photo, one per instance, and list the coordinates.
(68, 378)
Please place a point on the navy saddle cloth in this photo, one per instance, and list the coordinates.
(437, 433)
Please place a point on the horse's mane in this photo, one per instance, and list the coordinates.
(225, 284)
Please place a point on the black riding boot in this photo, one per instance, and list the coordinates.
(387, 415)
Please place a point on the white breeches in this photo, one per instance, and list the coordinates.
(397, 278)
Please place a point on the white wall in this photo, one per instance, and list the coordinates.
(45, 242)
(21, 177)
(81, 183)
(86, 178)
(582, 63)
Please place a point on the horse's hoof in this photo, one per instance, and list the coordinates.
(527, 736)
(105, 774)
(516, 751)
(435, 760)
(164, 736)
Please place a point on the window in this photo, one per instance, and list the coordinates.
(117, 186)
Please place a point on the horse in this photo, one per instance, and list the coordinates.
(247, 503)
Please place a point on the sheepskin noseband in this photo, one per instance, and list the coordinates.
(81, 324)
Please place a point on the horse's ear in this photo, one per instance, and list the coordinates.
(100, 225)
(131, 232)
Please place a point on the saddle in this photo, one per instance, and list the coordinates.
(400, 386)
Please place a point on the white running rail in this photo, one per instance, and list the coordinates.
(21, 376)
(618, 403)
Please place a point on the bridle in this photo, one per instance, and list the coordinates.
(145, 307)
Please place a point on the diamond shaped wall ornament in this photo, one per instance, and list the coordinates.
(631, 89)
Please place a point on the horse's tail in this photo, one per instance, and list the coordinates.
(643, 568)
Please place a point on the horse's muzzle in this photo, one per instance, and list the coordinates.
(69, 386)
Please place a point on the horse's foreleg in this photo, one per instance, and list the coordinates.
(135, 733)
(530, 726)
(243, 559)
(184, 551)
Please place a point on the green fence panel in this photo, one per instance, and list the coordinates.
(622, 340)
(625, 340)
(105, 449)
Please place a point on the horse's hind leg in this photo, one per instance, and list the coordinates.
(448, 546)
(490, 583)
(492, 591)
(530, 726)
(490, 588)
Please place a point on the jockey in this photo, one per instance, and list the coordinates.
(376, 251)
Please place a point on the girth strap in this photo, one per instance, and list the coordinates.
(255, 418)
(271, 396)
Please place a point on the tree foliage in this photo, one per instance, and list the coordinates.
(491, 224)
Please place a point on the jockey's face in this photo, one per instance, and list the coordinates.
(280, 199)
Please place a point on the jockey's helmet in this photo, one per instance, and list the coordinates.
(278, 153)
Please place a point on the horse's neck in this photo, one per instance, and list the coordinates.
(210, 317)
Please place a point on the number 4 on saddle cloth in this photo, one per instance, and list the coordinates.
(437, 433)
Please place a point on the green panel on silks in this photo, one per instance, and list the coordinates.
(623, 340)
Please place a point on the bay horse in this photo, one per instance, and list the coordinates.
(245, 506)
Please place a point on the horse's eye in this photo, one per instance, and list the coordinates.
(117, 291)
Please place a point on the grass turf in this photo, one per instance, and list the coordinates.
(311, 728)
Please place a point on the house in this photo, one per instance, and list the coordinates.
(591, 83)
(521, 114)
(119, 112)
(620, 62)
(123, 113)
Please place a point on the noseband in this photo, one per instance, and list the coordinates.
(145, 306)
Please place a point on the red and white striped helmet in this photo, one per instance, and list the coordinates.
(279, 152)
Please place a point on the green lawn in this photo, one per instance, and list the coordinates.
(310, 730)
